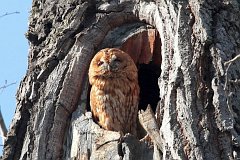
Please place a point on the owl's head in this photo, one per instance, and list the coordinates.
(111, 63)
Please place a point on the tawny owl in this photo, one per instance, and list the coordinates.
(114, 94)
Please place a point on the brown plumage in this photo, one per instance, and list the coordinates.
(114, 94)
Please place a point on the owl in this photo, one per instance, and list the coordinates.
(114, 94)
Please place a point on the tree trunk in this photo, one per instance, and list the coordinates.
(194, 43)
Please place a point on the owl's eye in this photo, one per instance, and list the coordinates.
(100, 63)
(117, 60)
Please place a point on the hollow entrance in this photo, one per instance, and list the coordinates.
(145, 48)
(142, 42)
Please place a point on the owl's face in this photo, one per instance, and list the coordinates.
(111, 63)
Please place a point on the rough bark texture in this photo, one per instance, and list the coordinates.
(3, 129)
(199, 110)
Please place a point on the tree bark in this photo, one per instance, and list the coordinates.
(3, 129)
(198, 114)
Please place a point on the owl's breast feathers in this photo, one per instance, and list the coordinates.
(114, 104)
(115, 86)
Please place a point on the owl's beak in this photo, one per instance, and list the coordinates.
(109, 68)
(112, 67)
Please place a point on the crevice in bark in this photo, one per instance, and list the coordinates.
(21, 132)
(120, 151)
(13, 146)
